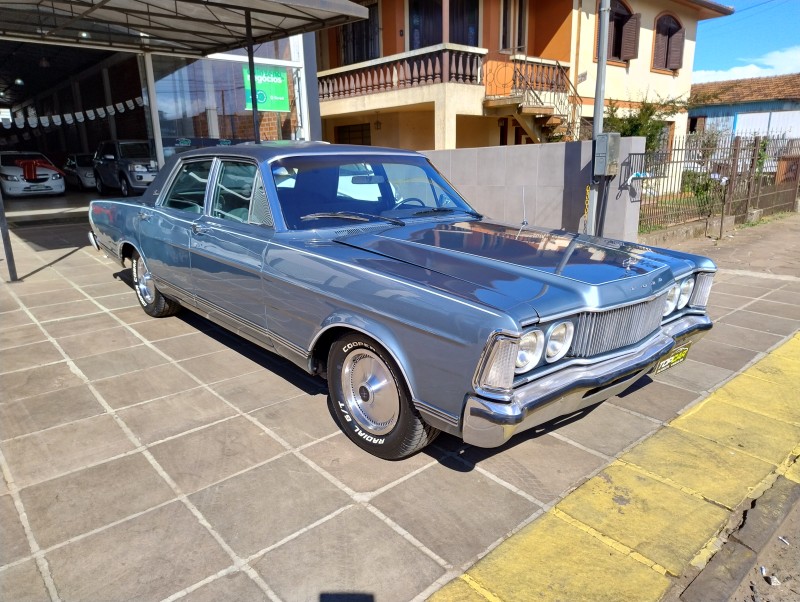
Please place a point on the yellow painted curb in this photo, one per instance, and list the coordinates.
(660, 507)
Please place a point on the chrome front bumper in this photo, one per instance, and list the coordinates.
(490, 424)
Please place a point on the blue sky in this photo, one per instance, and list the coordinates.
(761, 38)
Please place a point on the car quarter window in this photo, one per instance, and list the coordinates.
(239, 194)
(188, 189)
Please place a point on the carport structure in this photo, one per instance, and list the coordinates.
(186, 28)
(189, 28)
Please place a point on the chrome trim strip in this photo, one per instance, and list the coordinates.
(424, 407)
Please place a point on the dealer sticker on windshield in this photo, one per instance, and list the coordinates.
(676, 357)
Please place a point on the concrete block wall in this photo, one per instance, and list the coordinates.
(542, 183)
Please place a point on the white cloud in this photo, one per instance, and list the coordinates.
(777, 62)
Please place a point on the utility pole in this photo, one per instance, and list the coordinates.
(599, 108)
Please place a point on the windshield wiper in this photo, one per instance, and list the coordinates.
(352, 215)
(434, 210)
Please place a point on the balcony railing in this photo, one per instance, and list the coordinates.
(451, 63)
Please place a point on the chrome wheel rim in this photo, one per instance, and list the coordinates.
(144, 283)
(370, 393)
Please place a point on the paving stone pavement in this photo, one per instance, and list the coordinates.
(149, 459)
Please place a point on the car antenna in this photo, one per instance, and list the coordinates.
(524, 214)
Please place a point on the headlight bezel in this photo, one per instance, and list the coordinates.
(534, 355)
(686, 288)
(671, 299)
(565, 343)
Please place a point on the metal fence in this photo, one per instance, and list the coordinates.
(711, 174)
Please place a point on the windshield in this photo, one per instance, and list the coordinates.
(134, 150)
(370, 187)
(13, 159)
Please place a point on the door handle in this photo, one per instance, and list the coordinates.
(198, 229)
(145, 217)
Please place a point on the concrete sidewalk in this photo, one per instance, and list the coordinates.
(166, 459)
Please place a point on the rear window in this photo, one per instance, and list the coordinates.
(134, 150)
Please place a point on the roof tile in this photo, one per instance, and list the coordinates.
(738, 91)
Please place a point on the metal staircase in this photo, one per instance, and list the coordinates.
(540, 98)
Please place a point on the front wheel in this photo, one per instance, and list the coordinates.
(150, 298)
(124, 187)
(371, 402)
(98, 184)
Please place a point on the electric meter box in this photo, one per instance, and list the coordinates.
(606, 154)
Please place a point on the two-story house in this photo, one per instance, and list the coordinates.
(440, 74)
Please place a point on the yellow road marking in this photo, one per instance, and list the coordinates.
(660, 507)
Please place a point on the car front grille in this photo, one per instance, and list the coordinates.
(37, 180)
(599, 332)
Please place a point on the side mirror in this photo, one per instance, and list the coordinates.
(109, 157)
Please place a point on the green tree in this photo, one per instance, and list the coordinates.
(647, 117)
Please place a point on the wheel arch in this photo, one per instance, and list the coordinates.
(126, 249)
(331, 332)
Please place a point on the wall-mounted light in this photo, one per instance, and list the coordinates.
(85, 35)
(19, 82)
(378, 124)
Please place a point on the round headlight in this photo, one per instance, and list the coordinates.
(687, 286)
(671, 302)
(559, 341)
(531, 346)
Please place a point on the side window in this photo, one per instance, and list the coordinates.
(188, 189)
(238, 191)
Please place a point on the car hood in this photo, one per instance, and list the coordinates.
(550, 271)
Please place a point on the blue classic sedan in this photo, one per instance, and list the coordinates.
(364, 266)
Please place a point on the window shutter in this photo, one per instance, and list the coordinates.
(660, 49)
(630, 38)
(675, 57)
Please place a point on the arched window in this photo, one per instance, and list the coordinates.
(623, 32)
(669, 40)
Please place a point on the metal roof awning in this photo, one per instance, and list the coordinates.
(184, 27)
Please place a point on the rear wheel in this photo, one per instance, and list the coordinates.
(150, 298)
(371, 402)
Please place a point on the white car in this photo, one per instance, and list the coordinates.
(28, 174)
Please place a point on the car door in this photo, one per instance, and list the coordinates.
(106, 164)
(165, 230)
(228, 245)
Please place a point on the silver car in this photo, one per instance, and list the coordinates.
(126, 165)
(364, 266)
(79, 171)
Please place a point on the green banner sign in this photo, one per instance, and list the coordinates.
(272, 89)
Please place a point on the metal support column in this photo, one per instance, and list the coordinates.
(152, 99)
(251, 65)
(599, 108)
(12, 267)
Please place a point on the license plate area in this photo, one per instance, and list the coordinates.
(673, 359)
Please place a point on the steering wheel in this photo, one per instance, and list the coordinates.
(409, 201)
